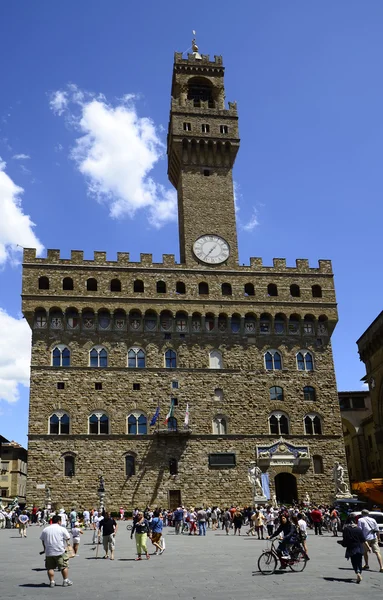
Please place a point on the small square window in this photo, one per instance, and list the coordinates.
(205, 128)
(224, 129)
(206, 172)
(98, 385)
(182, 336)
(187, 126)
(136, 387)
(167, 336)
(175, 385)
(174, 401)
(60, 385)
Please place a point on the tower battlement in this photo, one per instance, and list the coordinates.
(193, 60)
(54, 257)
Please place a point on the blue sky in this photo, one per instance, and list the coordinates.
(87, 84)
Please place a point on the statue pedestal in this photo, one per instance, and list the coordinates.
(259, 500)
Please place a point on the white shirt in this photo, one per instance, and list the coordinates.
(63, 519)
(86, 515)
(54, 538)
(367, 525)
(302, 526)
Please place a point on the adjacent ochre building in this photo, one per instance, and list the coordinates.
(13, 472)
(241, 353)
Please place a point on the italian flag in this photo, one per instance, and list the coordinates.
(170, 413)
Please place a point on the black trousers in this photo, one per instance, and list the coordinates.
(318, 528)
(356, 562)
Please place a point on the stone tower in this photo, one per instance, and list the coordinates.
(202, 145)
(245, 351)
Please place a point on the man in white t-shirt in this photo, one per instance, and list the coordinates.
(371, 534)
(96, 534)
(86, 517)
(55, 541)
(63, 516)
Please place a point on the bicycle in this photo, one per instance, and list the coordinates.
(268, 561)
(129, 527)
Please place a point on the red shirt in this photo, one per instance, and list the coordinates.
(316, 515)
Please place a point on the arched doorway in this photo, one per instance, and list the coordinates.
(285, 488)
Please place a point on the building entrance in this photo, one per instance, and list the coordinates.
(285, 488)
(174, 499)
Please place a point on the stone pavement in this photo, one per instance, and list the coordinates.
(215, 567)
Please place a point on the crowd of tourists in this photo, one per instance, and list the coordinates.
(62, 532)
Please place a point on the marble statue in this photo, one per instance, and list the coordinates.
(341, 487)
(101, 487)
(254, 475)
(307, 499)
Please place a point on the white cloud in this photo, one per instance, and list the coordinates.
(21, 157)
(16, 228)
(252, 222)
(59, 102)
(15, 351)
(116, 151)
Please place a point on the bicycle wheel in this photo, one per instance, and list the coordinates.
(299, 561)
(129, 527)
(267, 563)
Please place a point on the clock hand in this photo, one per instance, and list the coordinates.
(211, 250)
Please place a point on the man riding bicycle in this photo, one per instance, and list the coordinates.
(290, 536)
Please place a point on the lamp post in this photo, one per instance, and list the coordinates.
(101, 493)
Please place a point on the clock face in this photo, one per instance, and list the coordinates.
(211, 249)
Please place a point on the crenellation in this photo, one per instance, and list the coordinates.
(77, 257)
(123, 259)
(302, 265)
(168, 260)
(279, 264)
(146, 260)
(53, 256)
(100, 258)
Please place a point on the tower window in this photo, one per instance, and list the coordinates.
(187, 126)
(249, 289)
(136, 387)
(67, 283)
(138, 286)
(115, 285)
(60, 385)
(295, 291)
(130, 466)
(205, 128)
(98, 385)
(43, 283)
(272, 289)
(161, 287)
(180, 287)
(226, 289)
(206, 172)
(316, 291)
(203, 288)
(69, 466)
(224, 129)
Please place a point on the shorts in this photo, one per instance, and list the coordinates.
(54, 562)
(156, 537)
(108, 542)
(374, 545)
(76, 540)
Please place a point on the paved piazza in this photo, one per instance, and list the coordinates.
(217, 567)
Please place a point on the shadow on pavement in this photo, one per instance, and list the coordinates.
(34, 585)
(339, 579)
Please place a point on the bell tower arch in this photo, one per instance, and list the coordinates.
(203, 142)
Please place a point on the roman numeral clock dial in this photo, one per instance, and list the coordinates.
(211, 249)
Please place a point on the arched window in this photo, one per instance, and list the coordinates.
(172, 424)
(72, 318)
(200, 90)
(69, 466)
(161, 287)
(295, 292)
(250, 323)
(276, 393)
(88, 320)
(323, 325)
(249, 289)
(135, 320)
(305, 361)
(56, 319)
(203, 288)
(196, 323)
(173, 466)
(181, 322)
(60, 356)
(119, 318)
(272, 290)
(316, 291)
(294, 326)
(219, 425)
(91, 284)
(180, 287)
(313, 425)
(170, 359)
(138, 286)
(59, 424)
(43, 283)
(273, 360)
(67, 283)
(218, 394)
(150, 320)
(130, 466)
(98, 357)
(309, 393)
(226, 289)
(98, 423)
(222, 322)
(215, 360)
(317, 464)
(115, 285)
(136, 358)
(137, 424)
(279, 424)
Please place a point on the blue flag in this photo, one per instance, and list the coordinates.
(155, 417)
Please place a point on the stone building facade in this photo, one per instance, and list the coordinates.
(13, 472)
(244, 350)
